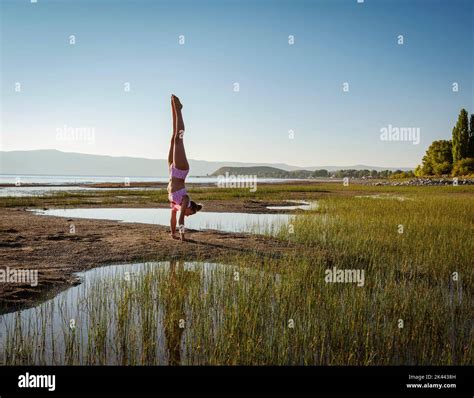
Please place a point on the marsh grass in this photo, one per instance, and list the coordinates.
(409, 275)
(254, 310)
(123, 197)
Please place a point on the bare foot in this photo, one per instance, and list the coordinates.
(174, 237)
(177, 103)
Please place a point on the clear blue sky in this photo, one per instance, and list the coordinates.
(282, 87)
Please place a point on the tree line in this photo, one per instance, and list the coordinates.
(351, 173)
(454, 156)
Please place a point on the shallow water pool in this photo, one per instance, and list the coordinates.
(129, 314)
(299, 205)
(227, 222)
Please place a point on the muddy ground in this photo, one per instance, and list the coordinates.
(31, 241)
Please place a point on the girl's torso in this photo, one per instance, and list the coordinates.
(175, 184)
(177, 177)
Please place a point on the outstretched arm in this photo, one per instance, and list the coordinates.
(173, 223)
(184, 206)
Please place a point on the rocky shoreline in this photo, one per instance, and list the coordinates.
(427, 182)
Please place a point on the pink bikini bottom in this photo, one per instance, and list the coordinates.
(176, 198)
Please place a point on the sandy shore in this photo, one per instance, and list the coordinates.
(31, 241)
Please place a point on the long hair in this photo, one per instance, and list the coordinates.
(195, 206)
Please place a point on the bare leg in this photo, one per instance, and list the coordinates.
(171, 151)
(179, 154)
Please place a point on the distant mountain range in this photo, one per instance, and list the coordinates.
(54, 162)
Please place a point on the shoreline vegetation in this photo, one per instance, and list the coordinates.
(274, 172)
(119, 196)
(453, 157)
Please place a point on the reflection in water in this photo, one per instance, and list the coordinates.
(178, 283)
(175, 318)
(174, 289)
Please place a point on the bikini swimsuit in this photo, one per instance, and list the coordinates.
(176, 197)
(177, 173)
